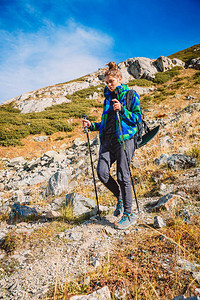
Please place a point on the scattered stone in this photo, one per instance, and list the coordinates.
(180, 161)
(42, 138)
(162, 160)
(184, 214)
(52, 214)
(187, 265)
(58, 183)
(196, 276)
(194, 63)
(86, 281)
(110, 231)
(120, 293)
(159, 222)
(189, 298)
(75, 236)
(165, 189)
(102, 294)
(190, 97)
(80, 206)
(21, 213)
(16, 162)
(167, 202)
(94, 261)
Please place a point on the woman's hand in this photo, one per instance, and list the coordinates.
(86, 123)
(116, 105)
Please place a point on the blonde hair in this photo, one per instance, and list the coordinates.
(113, 70)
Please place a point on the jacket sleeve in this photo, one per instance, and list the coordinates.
(94, 126)
(134, 116)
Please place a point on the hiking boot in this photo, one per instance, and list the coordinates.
(119, 208)
(126, 221)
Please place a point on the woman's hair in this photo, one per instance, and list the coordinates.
(113, 70)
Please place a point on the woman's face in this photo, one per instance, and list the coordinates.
(113, 82)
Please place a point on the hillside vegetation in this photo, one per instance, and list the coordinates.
(14, 126)
(187, 54)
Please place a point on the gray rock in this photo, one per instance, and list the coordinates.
(196, 276)
(58, 183)
(101, 294)
(187, 265)
(163, 64)
(159, 222)
(180, 161)
(81, 206)
(2, 237)
(120, 293)
(162, 160)
(166, 202)
(142, 90)
(21, 213)
(16, 162)
(86, 281)
(190, 108)
(41, 138)
(142, 67)
(165, 189)
(75, 236)
(185, 215)
(178, 62)
(52, 214)
(194, 63)
(189, 97)
(189, 298)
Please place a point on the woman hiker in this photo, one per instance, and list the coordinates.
(111, 148)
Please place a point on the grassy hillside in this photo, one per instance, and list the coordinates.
(187, 54)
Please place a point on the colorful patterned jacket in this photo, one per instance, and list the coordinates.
(129, 119)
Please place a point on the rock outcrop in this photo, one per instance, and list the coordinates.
(132, 68)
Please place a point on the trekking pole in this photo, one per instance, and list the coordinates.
(129, 167)
(95, 187)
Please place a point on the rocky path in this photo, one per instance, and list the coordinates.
(71, 253)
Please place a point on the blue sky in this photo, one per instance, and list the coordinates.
(44, 42)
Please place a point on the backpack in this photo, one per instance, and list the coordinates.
(142, 127)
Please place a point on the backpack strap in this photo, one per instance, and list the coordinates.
(129, 98)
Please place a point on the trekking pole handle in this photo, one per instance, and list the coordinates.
(85, 118)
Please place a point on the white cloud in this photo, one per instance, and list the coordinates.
(50, 56)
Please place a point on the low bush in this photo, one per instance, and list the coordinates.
(141, 82)
(162, 77)
(15, 126)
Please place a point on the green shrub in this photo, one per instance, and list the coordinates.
(14, 125)
(162, 77)
(141, 82)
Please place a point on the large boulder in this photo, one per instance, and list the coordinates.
(80, 206)
(142, 67)
(58, 183)
(163, 64)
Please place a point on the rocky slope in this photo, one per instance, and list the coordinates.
(137, 67)
(42, 245)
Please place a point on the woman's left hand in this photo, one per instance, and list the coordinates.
(116, 105)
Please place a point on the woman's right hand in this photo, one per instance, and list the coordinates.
(86, 123)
